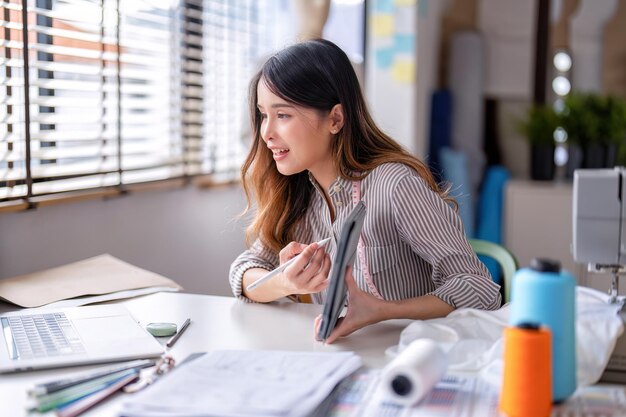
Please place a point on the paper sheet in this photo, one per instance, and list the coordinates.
(99, 275)
(246, 383)
(118, 295)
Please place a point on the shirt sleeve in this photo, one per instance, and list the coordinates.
(258, 256)
(435, 232)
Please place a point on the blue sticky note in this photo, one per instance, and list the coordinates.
(404, 43)
(383, 6)
(384, 58)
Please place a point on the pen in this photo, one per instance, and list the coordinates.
(281, 268)
(174, 338)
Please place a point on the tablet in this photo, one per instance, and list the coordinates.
(344, 257)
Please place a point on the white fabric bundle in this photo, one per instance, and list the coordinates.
(472, 339)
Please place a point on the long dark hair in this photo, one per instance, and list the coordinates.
(315, 74)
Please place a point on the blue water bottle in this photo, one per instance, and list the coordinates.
(545, 294)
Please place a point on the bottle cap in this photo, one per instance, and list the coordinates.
(545, 265)
(528, 326)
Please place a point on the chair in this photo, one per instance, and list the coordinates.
(505, 259)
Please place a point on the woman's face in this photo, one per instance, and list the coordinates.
(298, 137)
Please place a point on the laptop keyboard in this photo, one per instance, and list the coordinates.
(40, 336)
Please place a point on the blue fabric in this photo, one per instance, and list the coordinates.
(454, 170)
(440, 135)
(489, 209)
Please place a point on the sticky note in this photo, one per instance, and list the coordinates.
(384, 58)
(382, 24)
(404, 43)
(403, 71)
(404, 3)
(383, 6)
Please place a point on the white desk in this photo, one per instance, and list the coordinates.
(219, 323)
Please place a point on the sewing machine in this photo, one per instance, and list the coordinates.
(599, 240)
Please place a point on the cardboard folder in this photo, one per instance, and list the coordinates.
(103, 274)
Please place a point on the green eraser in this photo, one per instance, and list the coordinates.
(161, 329)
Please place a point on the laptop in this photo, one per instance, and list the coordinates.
(49, 338)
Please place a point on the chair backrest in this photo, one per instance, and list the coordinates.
(503, 257)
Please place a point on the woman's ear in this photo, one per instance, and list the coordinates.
(336, 118)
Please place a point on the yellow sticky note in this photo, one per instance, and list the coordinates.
(382, 24)
(403, 71)
(401, 3)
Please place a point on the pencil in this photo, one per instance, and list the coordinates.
(76, 408)
(64, 397)
(174, 338)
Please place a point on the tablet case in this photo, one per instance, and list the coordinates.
(346, 250)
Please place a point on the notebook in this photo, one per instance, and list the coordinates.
(344, 257)
(48, 338)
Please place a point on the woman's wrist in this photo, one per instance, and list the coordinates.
(419, 308)
(284, 287)
(271, 290)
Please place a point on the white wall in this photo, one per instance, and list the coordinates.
(390, 76)
(190, 235)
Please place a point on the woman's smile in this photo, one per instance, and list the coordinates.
(279, 154)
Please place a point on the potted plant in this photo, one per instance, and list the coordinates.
(539, 127)
(580, 124)
(596, 124)
(611, 114)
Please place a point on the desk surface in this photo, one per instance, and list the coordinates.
(220, 323)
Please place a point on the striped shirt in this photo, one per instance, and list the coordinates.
(414, 242)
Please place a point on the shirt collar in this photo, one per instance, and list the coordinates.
(338, 185)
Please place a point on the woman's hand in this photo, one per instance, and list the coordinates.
(363, 309)
(309, 273)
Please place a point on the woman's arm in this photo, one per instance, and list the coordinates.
(257, 257)
(435, 232)
(418, 308)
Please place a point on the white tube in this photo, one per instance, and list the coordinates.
(414, 372)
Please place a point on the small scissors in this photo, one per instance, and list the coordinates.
(163, 366)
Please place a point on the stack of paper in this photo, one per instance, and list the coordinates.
(245, 383)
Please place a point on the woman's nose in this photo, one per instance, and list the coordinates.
(266, 129)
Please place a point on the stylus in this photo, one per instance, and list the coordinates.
(174, 338)
(281, 268)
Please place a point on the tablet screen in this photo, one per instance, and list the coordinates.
(346, 250)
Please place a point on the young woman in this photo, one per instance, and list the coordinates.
(316, 152)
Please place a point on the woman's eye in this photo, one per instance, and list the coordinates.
(283, 116)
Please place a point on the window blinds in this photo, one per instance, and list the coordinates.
(13, 158)
(229, 59)
(122, 92)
